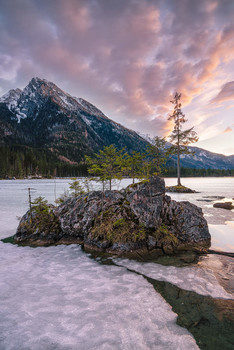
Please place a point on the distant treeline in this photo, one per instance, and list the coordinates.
(22, 161)
(192, 172)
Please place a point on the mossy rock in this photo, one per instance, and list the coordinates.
(117, 226)
(165, 239)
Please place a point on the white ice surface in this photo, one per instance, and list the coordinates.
(199, 280)
(58, 298)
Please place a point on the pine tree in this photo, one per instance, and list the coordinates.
(180, 138)
(76, 188)
(107, 165)
(157, 154)
(132, 165)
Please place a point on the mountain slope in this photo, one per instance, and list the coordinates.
(200, 159)
(42, 115)
(208, 160)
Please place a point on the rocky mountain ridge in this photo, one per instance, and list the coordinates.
(200, 158)
(42, 116)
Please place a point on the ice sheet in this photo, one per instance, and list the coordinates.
(195, 278)
(59, 298)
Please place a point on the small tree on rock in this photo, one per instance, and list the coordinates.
(157, 154)
(179, 138)
(132, 165)
(107, 165)
(76, 188)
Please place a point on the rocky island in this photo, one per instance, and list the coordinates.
(138, 219)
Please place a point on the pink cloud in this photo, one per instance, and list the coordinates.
(226, 93)
(228, 129)
(127, 57)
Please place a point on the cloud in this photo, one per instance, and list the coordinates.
(226, 93)
(228, 129)
(9, 67)
(126, 57)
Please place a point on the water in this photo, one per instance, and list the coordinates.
(221, 221)
(59, 298)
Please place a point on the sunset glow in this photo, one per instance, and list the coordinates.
(128, 57)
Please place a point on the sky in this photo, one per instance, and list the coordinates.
(128, 58)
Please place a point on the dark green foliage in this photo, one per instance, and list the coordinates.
(107, 164)
(41, 207)
(193, 172)
(157, 155)
(132, 165)
(22, 161)
(76, 188)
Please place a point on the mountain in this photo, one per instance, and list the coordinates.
(44, 127)
(44, 116)
(201, 158)
(208, 160)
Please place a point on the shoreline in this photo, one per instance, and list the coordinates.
(124, 178)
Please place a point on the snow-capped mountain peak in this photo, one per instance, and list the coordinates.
(27, 103)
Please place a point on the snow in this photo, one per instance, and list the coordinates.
(58, 298)
(86, 120)
(20, 115)
(68, 101)
(88, 107)
(11, 98)
(5, 96)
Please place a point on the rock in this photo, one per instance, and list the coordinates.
(179, 189)
(146, 201)
(140, 218)
(214, 197)
(225, 205)
(39, 230)
(185, 220)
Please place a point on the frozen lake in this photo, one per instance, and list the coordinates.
(59, 298)
(14, 203)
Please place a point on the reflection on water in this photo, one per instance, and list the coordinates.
(223, 236)
(211, 190)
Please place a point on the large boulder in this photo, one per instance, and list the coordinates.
(138, 218)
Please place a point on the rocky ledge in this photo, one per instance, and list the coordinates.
(224, 205)
(139, 219)
(179, 189)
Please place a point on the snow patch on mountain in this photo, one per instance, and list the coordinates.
(87, 120)
(11, 98)
(89, 107)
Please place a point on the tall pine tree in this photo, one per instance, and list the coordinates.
(179, 138)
